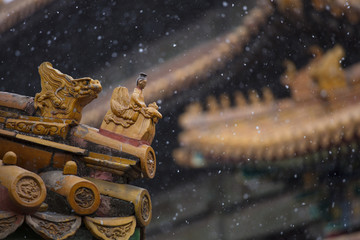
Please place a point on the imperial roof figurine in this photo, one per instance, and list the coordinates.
(129, 116)
(57, 173)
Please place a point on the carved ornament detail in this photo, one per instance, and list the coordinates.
(112, 228)
(6, 223)
(9, 222)
(8, 114)
(53, 226)
(145, 208)
(62, 96)
(84, 197)
(55, 229)
(39, 128)
(148, 164)
(115, 232)
(28, 189)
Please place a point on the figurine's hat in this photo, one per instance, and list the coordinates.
(142, 75)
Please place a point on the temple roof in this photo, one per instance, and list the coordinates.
(195, 65)
(243, 105)
(323, 112)
(199, 65)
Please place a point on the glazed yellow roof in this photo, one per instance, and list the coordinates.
(285, 132)
(199, 61)
(213, 55)
(325, 114)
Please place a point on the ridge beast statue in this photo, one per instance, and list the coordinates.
(56, 173)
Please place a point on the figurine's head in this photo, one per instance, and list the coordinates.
(141, 81)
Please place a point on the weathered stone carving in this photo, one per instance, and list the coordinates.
(53, 226)
(62, 96)
(28, 189)
(84, 197)
(115, 232)
(120, 228)
(6, 223)
(129, 116)
(54, 229)
(9, 222)
(145, 208)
